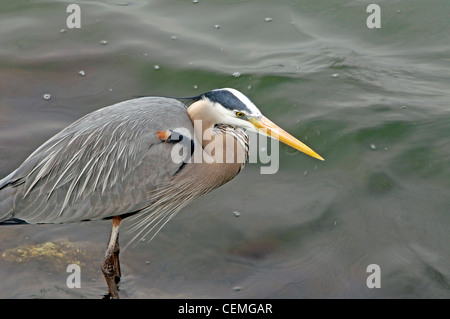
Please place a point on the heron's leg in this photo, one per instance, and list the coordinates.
(110, 263)
(116, 252)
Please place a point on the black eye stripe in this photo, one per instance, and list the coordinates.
(227, 99)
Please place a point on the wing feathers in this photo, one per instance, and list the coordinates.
(102, 164)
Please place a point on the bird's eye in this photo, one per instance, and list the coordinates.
(239, 114)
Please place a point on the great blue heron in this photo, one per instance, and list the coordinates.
(120, 161)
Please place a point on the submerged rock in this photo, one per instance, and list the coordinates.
(58, 254)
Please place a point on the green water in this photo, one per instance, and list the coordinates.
(375, 103)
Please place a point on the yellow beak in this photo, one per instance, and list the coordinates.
(267, 127)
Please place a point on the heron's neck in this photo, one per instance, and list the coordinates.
(203, 118)
(225, 143)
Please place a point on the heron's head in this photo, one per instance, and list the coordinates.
(229, 106)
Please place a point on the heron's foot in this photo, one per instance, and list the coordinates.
(111, 272)
(110, 296)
